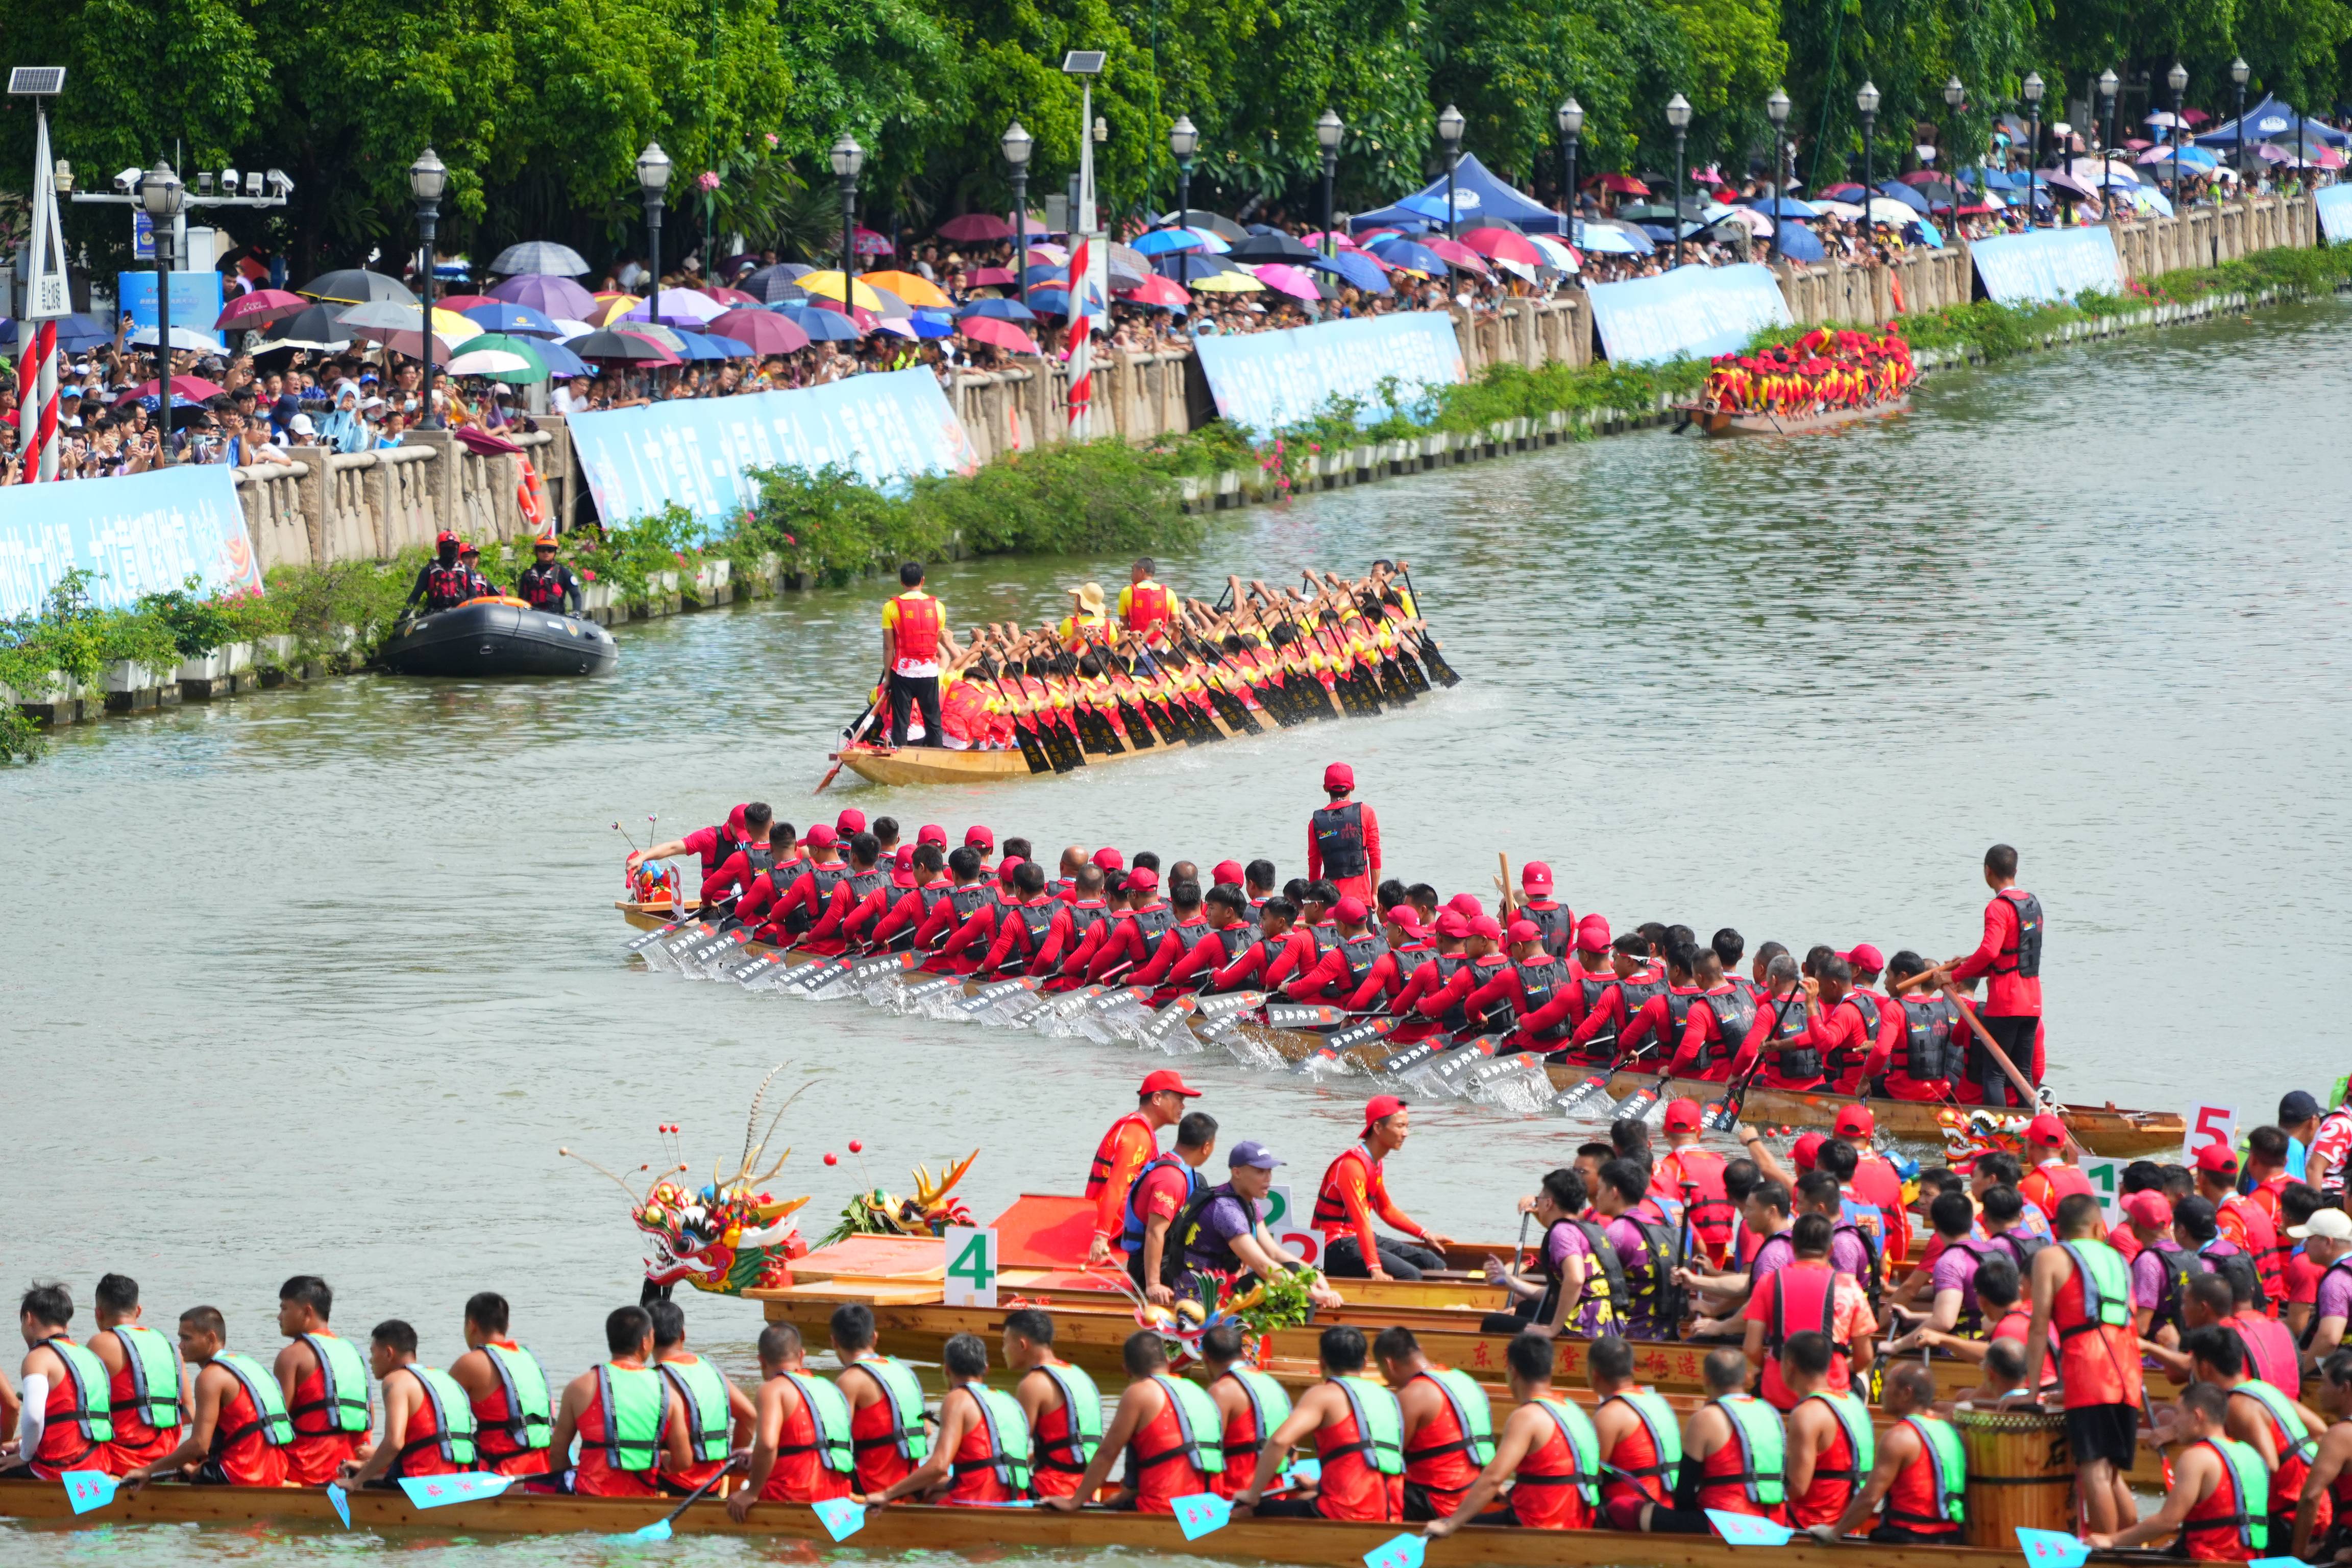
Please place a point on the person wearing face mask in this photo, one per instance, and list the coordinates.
(442, 583)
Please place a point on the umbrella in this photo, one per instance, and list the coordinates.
(2059, 180)
(1845, 210)
(610, 307)
(1362, 270)
(1125, 262)
(1624, 185)
(2092, 170)
(912, 287)
(1848, 193)
(1557, 254)
(733, 296)
(498, 316)
(1275, 247)
(1461, 257)
(1405, 253)
(1893, 214)
(1190, 270)
(829, 286)
(1759, 226)
(617, 346)
(74, 332)
(1939, 193)
(182, 338)
(661, 333)
(414, 346)
(1798, 243)
(1003, 334)
(1503, 245)
(989, 277)
(865, 242)
(461, 303)
(764, 331)
(543, 257)
(315, 328)
(561, 361)
(1899, 190)
(1290, 280)
(1168, 242)
(821, 325)
(2189, 157)
(1611, 240)
(1233, 282)
(1216, 224)
(1012, 310)
(1051, 277)
(1046, 251)
(1050, 302)
(377, 321)
(975, 228)
(552, 296)
(259, 308)
(358, 286)
(689, 307)
(702, 346)
(516, 361)
(182, 386)
(1154, 291)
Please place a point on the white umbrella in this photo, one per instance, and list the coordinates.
(1845, 210)
(1555, 254)
(1759, 226)
(2091, 171)
(567, 329)
(1887, 210)
(182, 338)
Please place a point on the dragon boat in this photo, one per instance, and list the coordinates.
(1723, 422)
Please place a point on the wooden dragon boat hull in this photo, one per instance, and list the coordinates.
(1719, 423)
(908, 1528)
(938, 764)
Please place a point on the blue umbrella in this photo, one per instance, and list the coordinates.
(1400, 252)
(1362, 272)
(1168, 242)
(1786, 206)
(1050, 302)
(1905, 193)
(1931, 233)
(74, 333)
(1189, 268)
(715, 345)
(1613, 238)
(502, 317)
(1798, 243)
(1002, 310)
(1054, 276)
(821, 325)
(562, 361)
(1433, 204)
(935, 323)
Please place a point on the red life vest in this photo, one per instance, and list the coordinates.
(1915, 1499)
(420, 1454)
(1549, 1495)
(1804, 1299)
(1710, 1205)
(241, 1446)
(1162, 1464)
(2215, 1529)
(1148, 604)
(917, 628)
(1352, 1489)
(1107, 1152)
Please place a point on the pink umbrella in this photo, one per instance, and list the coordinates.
(1004, 334)
(2328, 158)
(975, 229)
(1455, 252)
(1165, 292)
(735, 297)
(1343, 241)
(463, 303)
(990, 277)
(763, 330)
(1503, 245)
(548, 295)
(261, 306)
(409, 344)
(182, 386)
(1284, 279)
(865, 242)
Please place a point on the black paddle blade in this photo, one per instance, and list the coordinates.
(1570, 1100)
(1438, 667)
(1636, 1105)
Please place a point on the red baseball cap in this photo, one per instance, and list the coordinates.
(1451, 923)
(1168, 1080)
(1525, 931)
(851, 820)
(981, 836)
(1466, 905)
(1488, 926)
(1682, 1116)
(903, 858)
(824, 837)
(1107, 858)
(1592, 934)
(1854, 1121)
(1807, 1150)
(931, 833)
(1536, 874)
(1350, 907)
(1339, 775)
(1143, 877)
(1865, 957)
(2152, 1209)
(1404, 917)
(1012, 864)
(1381, 1108)
(1226, 871)
(2214, 1159)
(2047, 1129)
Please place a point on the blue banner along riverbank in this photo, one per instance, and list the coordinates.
(2334, 204)
(1264, 381)
(1691, 311)
(140, 533)
(2048, 266)
(700, 453)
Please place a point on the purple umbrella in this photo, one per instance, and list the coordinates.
(548, 295)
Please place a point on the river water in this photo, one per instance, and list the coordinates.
(316, 982)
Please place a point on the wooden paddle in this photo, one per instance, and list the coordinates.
(855, 730)
(1984, 1036)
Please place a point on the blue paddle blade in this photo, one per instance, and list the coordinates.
(2052, 1547)
(88, 1490)
(1407, 1550)
(657, 1531)
(343, 1504)
(1747, 1528)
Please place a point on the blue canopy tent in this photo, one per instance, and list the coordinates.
(2271, 120)
(1496, 199)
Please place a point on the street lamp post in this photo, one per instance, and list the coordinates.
(2239, 71)
(2107, 85)
(1776, 110)
(1328, 133)
(1571, 130)
(1866, 102)
(1678, 113)
(2032, 90)
(847, 158)
(1016, 144)
(653, 178)
(1183, 141)
(162, 195)
(1449, 131)
(2176, 79)
(1955, 95)
(427, 180)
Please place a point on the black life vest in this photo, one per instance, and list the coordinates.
(1931, 1048)
(1678, 1007)
(1339, 840)
(1234, 939)
(1360, 954)
(968, 900)
(1190, 932)
(1150, 922)
(1788, 1021)
(543, 587)
(1554, 923)
(1848, 1058)
(1458, 1017)
(1734, 1014)
(1411, 957)
(2023, 958)
(1036, 925)
(1638, 990)
(1658, 1298)
(862, 883)
(1594, 984)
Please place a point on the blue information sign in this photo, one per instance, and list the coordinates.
(1689, 313)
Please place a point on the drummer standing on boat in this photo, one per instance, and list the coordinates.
(914, 634)
(2011, 954)
(1343, 838)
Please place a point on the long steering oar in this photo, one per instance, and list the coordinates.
(2033, 1097)
(855, 730)
(659, 1529)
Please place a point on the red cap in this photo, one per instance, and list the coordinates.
(824, 837)
(1865, 957)
(1592, 934)
(1168, 1080)
(1004, 872)
(1682, 1116)
(1466, 905)
(1487, 927)
(1451, 923)
(2047, 1129)
(2214, 1159)
(1349, 908)
(1535, 874)
(1525, 931)
(931, 833)
(444, 537)
(1404, 917)
(1854, 1121)
(1381, 1108)
(1808, 1150)
(1142, 876)
(1107, 858)
(903, 858)
(851, 820)
(1339, 775)
(981, 836)
(2151, 1209)
(1229, 871)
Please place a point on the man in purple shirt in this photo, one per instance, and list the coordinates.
(2326, 1240)
(1952, 1282)
(1621, 1200)
(2156, 1305)
(1817, 1192)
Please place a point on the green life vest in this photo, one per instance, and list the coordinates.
(93, 1408)
(1666, 1432)
(2302, 1443)
(344, 1385)
(275, 1426)
(453, 1419)
(154, 1375)
(1380, 1426)
(1007, 1426)
(1860, 1436)
(1470, 1414)
(2252, 1480)
(1763, 1446)
(1583, 1447)
(1200, 1429)
(529, 1415)
(903, 1390)
(1082, 1401)
(707, 1414)
(2107, 1285)
(1949, 1461)
(829, 1415)
(636, 1411)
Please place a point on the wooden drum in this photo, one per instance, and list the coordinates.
(2020, 1472)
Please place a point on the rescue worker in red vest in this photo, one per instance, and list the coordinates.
(1548, 1453)
(1343, 839)
(1920, 1476)
(429, 1422)
(885, 1401)
(2219, 1500)
(1808, 1294)
(1359, 1432)
(478, 586)
(799, 1431)
(2275, 1425)
(1059, 1401)
(1449, 1428)
(916, 642)
(2082, 1287)
(1144, 606)
(66, 1422)
(2010, 954)
(981, 1452)
(1125, 1149)
(237, 1431)
(324, 1380)
(548, 583)
(719, 1414)
(1355, 1190)
(1830, 1444)
(2239, 1220)
(628, 1423)
(147, 1382)
(442, 583)
(508, 1388)
(1167, 1428)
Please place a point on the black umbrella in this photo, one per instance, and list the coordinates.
(611, 345)
(1272, 246)
(1217, 224)
(316, 328)
(1184, 267)
(355, 286)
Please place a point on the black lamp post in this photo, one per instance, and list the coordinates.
(2107, 85)
(2239, 71)
(1449, 132)
(1776, 110)
(2176, 79)
(1016, 144)
(849, 158)
(1571, 118)
(2032, 90)
(1678, 113)
(427, 180)
(1955, 95)
(1865, 103)
(653, 178)
(1328, 133)
(162, 195)
(1183, 141)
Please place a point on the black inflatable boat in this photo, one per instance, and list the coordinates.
(500, 636)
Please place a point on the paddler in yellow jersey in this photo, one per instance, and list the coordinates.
(1085, 623)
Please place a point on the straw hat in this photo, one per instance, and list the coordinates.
(1089, 597)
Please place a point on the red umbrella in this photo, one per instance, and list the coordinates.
(191, 386)
(865, 242)
(1504, 246)
(1345, 242)
(1165, 292)
(975, 228)
(1624, 184)
(259, 307)
(464, 302)
(763, 330)
(1004, 334)
(990, 277)
(1455, 252)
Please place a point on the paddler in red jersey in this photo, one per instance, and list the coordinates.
(1636, 979)
(1228, 933)
(886, 1424)
(1639, 1435)
(1535, 902)
(1520, 984)
(628, 1423)
(1779, 1048)
(1167, 1428)
(1547, 1453)
(1657, 1024)
(1350, 964)
(324, 1380)
(1072, 937)
(808, 896)
(428, 1423)
(1059, 1401)
(1267, 962)
(237, 1431)
(1926, 1061)
(2082, 1287)
(2239, 1220)
(1588, 973)
(716, 1410)
(66, 1422)
(2010, 955)
(2218, 1500)
(982, 909)
(981, 1453)
(735, 875)
(800, 1437)
(1717, 1029)
(1343, 838)
(513, 1410)
(1359, 1432)
(1692, 1177)
(1830, 1444)
(1409, 950)
(1734, 1453)
(911, 913)
(1449, 1428)
(1355, 1189)
(1130, 1144)
(713, 844)
(147, 1382)
(1448, 1003)
(2330, 1480)
(1920, 1476)
(1144, 606)
(1186, 925)
(1448, 933)
(2272, 1421)
(1135, 933)
(866, 880)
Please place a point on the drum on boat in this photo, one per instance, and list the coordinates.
(2020, 1472)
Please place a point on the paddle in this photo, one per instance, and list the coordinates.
(1724, 1115)
(1637, 1105)
(659, 1529)
(855, 731)
(2032, 1098)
